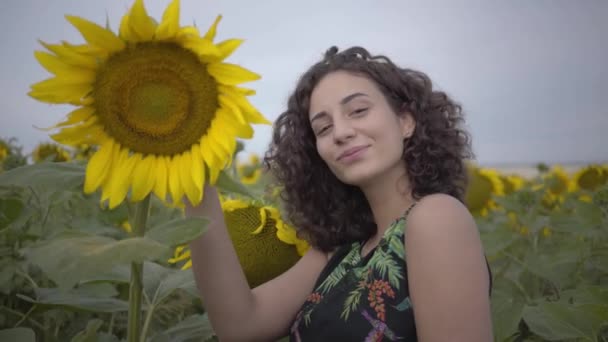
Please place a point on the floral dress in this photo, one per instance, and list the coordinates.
(361, 298)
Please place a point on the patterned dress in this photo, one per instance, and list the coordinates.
(361, 298)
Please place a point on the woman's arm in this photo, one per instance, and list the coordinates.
(236, 312)
(447, 272)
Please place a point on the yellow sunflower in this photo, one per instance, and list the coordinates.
(265, 244)
(512, 183)
(156, 98)
(251, 171)
(50, 152)
(557, 185)
(4, 150)
(589, 178)
(484, 183)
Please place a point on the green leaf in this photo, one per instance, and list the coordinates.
(506, 315)
(77, 299)
(589, 214)
(179, 231)
(57, 176)
(226, 183)
(558, 321)
(195, 327)
(497, 241)
(70, 260)
(18, 335)
(160, 282)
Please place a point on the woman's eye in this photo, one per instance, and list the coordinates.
(323, 129)
(359, 111)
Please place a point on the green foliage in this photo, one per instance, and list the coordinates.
(550, 278)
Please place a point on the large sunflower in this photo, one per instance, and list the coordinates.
(266, 246)
(156, 98)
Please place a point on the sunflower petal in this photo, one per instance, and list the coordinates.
(71, 57)
(169, 26)
(143, 179)
(198, 175)
(262, 222)
(79, 115)
(229, 106)
(210, 35)
(203, 48)
(141, 25)
(192, 192)
(175, 187)
(98, 167)
(121, 178)
(160, 186)
(227, 47)
(231, 74)
(55, 65)
(97, 35)
(124, 31)
(67, 93)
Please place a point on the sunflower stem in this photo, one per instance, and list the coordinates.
(135, 289)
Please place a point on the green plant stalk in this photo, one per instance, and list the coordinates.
(142, 210)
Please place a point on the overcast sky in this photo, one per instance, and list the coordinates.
(532, 75)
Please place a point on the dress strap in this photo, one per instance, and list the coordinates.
(407, 211)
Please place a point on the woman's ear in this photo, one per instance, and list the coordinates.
(407, 124)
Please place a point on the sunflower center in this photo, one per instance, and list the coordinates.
(155, 98)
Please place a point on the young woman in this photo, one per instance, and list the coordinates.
(371, 160)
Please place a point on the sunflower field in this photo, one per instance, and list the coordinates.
(93, 236)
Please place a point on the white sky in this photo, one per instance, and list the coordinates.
(532, 76)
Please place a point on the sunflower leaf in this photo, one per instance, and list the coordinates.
(226, 183)
(558, 321)
(69, 260)
(55, 176)
(77, 299)
(179, 231)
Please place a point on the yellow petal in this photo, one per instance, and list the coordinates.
(198, 175)
(192, 192)
(249, 111)
(141, 25)
(71, 57)
(169, 26)
(58, 67)
(227, 47)
(97, 35)
(80, 134)
(79, 115)
(229, 106)
(119, 156)
(160, 187)
(125, 31)
(210, 35)
(175, 187)
(203, 48)
(98, 167)
(121, 178)
(262, 222)
(68, 93)
(231, 74)
(143, 179)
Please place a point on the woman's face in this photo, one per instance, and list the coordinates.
(358, 134)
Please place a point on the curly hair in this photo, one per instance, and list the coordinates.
(329, 213)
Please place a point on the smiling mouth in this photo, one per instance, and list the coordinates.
(351, 152)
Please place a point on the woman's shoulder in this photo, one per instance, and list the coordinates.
(439, 214)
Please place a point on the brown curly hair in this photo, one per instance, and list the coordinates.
(329, 213)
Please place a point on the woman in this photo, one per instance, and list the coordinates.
(371, 161)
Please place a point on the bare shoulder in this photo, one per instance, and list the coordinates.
(447, 272)
(434, 211)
